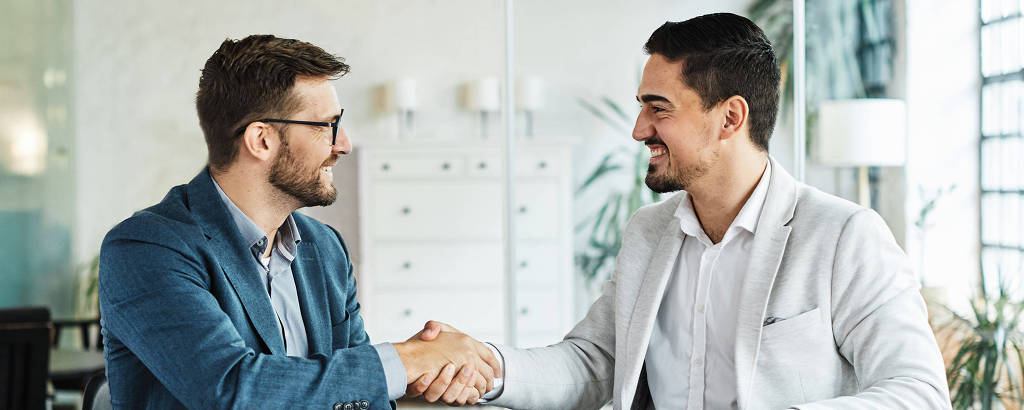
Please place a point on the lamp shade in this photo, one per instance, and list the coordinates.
(862, 132)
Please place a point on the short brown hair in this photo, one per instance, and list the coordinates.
(724, 55)
(252, 78)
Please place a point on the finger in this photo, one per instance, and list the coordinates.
(464, 378)
(469, 396)
(416, 388)
(480, 384)
(487, 374)
(440, 384)
(488, 356)
(430, 330)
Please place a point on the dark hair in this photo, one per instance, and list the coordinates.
(252, 78)
(725, 55)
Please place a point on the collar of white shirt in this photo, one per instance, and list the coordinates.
(746, 219)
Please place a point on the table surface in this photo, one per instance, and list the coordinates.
(65, 362)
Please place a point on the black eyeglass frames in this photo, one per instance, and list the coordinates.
(334, 125)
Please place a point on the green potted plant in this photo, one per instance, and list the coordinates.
(986, 369)
(603, 227)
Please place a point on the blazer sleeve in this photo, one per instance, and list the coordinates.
(573, 374)
(154, 298)
(880, 323)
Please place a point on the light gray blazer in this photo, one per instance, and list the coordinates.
(850, 327)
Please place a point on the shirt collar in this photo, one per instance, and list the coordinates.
(253, 235)
(746, 219)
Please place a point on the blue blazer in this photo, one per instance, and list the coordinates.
(188, 322)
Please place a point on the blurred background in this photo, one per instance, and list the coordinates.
(493, 168)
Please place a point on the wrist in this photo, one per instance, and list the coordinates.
(406, 352)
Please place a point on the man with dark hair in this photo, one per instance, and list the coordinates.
(748, 289)
(223, 296)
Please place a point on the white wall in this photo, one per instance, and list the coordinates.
(943, 94)
(137, 67)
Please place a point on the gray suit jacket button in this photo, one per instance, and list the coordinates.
(363, 404)
(337, 406)
(349, 406)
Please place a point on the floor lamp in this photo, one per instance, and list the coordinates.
(862, 133)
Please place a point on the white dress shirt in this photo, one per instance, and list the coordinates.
(690, 359)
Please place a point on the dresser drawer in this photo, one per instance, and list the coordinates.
(538, 310)
(417, 166)
(402, 313)
(537, 263)
(536, 212)
(485, 165)
(439, 210)
(537, 164)
(461, 265)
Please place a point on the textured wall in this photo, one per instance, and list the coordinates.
(137, 65)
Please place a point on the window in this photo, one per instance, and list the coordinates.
(1002, 141)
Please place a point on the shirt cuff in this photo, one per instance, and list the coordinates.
(394, 370)
(499, 382)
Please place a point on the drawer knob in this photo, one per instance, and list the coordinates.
(406, 210)
(522, 264)
(522, 209)
(542, 164)
(482, 165)
(385, 166)
(407, 265)
(407, 312)
(446, 166)
(524, 311)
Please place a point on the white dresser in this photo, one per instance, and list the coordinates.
(432, 239)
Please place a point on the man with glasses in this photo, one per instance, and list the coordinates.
(222, 296)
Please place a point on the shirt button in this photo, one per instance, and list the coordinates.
(698, 362)
(700, 309)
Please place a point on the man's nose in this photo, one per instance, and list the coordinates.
(643, 129)
(341, 144)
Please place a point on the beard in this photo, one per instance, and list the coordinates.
(672, 179)
(289, 176)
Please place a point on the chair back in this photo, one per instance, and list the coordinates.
(97, 394)
(24, 357)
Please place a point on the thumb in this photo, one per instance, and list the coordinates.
(430, 330)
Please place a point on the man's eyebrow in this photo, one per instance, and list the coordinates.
(648, 98)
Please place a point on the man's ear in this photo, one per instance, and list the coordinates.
(258, 141)
(735, 115)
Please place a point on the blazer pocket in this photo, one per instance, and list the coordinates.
(793, 325)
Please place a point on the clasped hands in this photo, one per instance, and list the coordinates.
(444, 363)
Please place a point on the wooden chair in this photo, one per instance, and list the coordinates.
(24, 357)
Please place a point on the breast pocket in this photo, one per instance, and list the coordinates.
(796, 325)
(798, 360)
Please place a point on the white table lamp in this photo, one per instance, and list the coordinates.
(862, 133)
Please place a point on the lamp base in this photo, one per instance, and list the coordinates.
(863, 187)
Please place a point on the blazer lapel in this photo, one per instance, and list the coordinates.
(312, 292)
(645, 311)
(237, 262)
(765, 258)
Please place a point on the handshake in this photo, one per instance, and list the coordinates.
(443, 363)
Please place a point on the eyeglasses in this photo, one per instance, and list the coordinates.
(334, 125)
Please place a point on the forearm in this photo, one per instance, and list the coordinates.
(570, 374)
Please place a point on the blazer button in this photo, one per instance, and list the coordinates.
(337, 406)
(363, 404)
(349, 406)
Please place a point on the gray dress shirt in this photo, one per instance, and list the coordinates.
(277, 276)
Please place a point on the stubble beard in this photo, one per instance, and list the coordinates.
(288, 175)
